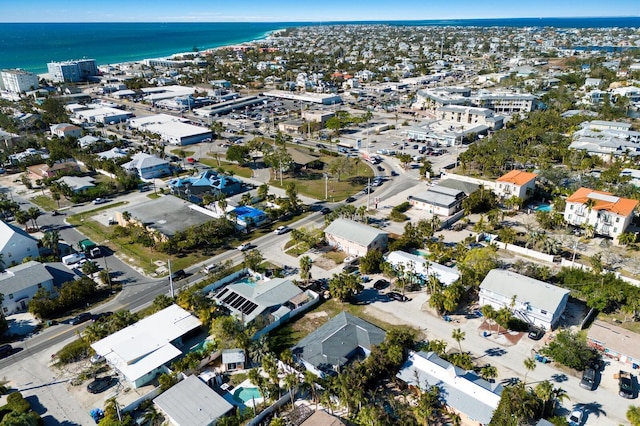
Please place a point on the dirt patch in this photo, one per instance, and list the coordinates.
(498, 334)
(311, 322)
(324, 263)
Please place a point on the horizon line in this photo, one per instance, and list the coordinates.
(325, 21)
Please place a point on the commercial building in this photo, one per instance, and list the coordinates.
(173, 130)
(338, 342)
(16, 244)
(18, 81)
(72, 71)
(309, 97)
(355, 238)
(470, 116)
(95, 113)
(142, 350)
(530, 300)
(472, 397)
(607, 214)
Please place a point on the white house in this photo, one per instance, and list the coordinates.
(516, 183)
(64, 130)
(142, 350)
(20, 283)
(355, 238)
(16, 244)
(609, 215)
(462, 391)
(530, 300)
(422, 267)
(18, 81)
(438, 200)
(148, 166)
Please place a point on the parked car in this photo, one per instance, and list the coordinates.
(281, 230)
(380, 284)
(101, 315)
(588, 380)
(536, 333)
(96, 359)
(325, 210)
(100, 200)
(101, 384)
(394, 173)
(191, 160)
(321, 146)
(397, 296)
(5, 351)
(210, 268)
(625, 385)
(380, 169)
(178, 275)
(350, 200)
(79, 319)
(575, 418)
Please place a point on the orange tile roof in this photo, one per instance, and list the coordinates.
(621, 206)
(517, 177)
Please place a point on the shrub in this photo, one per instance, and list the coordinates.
(74, 351)
(17, 403)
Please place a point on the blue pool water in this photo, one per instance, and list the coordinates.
(250, 281)
(544, 208)
(246, 394)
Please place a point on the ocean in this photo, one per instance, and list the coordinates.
(32, 46)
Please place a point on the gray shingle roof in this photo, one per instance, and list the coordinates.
(23, 276)
(333, 343)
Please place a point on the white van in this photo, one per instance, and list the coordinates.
(210, 268)
(73, 258)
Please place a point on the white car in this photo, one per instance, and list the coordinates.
(243, 247)
(575, 418)
(100, 201)
(281, 230)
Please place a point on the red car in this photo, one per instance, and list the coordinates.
(191, 160)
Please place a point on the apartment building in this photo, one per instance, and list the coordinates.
(607, 214)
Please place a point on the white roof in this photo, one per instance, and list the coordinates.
(352, 231)
(146, 345)
(7, 231)
(422, 266)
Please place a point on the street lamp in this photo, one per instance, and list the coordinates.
(326, 186)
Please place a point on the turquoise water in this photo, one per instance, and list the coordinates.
(250, 281)
(245, 395)
(544, 208)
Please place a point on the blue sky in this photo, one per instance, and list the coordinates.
(302, 10)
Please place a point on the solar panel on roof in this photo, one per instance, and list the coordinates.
(222, 293)
(230, 298)
(239, 301)
(250, 309)
(245, 305)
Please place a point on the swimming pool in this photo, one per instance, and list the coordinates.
(246, 280)
(247, 395)
(544, 208)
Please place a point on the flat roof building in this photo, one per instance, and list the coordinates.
(72, 71)
(18, 81)
(173, 130)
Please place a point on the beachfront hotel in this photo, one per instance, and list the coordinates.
(18, 81)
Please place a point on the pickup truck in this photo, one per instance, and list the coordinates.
(625, 385)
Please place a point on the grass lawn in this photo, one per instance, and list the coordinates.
(237, 169)
(179, 151)
(291, 333)
(312, 183)
(337, 256)
(47, 203)
(153, 196)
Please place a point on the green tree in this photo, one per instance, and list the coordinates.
(529, 365)
(54, 111)
(633, 415)
(51, 241)
(371, 263)
(344, 286)
(253, 259)
(476, 264)
(458, 335)
(305, 268)
(489, 372)
(160, 302)
(238, 153)
(570, 349)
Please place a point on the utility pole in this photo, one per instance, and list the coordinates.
(368, 192)
(171, 280)
(326, 187)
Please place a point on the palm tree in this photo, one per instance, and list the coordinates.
(34, 213)
(529, 365)
(291, 382)
(278, 421)
(305, 268)
(458, 336)
(489, 372)
(51, 240)
(309, 382)
(559, 394)
(544, 391)
(153, 416)
(362, 211)
(633, 415)
(22, 218)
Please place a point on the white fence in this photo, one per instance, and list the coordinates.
(525, 251)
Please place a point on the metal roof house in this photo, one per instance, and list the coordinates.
(192, 403)
(536, 302)
(438, 200)
(423, 267)
(461, 390)
(16, 244)
(355, 238)
(142, 350)
(338, 342)
(148, 166)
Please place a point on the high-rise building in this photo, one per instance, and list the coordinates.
(72, 71)
(18, 81)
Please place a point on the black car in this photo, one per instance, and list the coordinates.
(394, 173)
(350, 200)
(536, 333)
(380, 284)
(397, 296)
(321, 146)
(178, 275)
(325, 210)
(380, 169)
(101, 315)
(5, 351)
(101, 384)
(588, 380)
(79, 319)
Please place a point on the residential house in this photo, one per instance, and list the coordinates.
(20, 283)
(322, 418)
(16, 244)
(464, 392)
(77, 183)
(343, 339)
(607, 214)
(607, 139)
(192, 403)
(148, 166)
(64, 130)
(615, 342)
(207, 182)
(438, 200)
(530, 300)
(355, 238)
(516, 183)
(267, 303)
(246, 216)
(142, 350)
(422, 268)
(44, 171)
